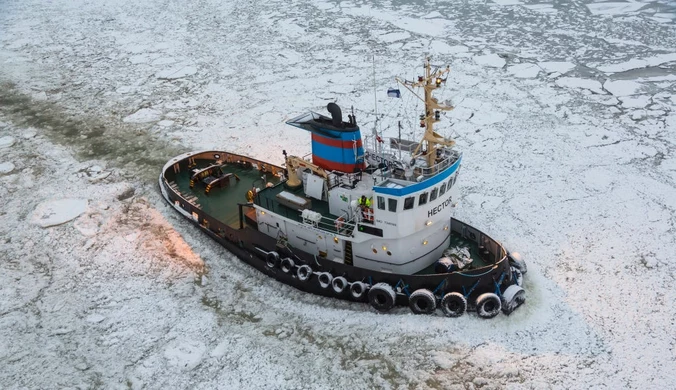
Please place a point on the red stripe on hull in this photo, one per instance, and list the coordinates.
(334, 166)
(335, 142)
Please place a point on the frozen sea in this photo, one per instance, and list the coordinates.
(565, 113)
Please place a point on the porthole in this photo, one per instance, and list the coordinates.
(389, 253)
(217, 156)
(374, 250)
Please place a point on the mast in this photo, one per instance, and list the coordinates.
(430, 140)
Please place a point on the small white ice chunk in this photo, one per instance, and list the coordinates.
(6, 142)
(57, 212)
(6, 167)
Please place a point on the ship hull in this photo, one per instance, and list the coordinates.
(254, 248)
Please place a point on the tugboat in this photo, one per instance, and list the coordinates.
(353, 220)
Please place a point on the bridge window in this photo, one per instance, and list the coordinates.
(423, 199)
(443, 189)
(381, 203)
(392, 205)
(408, 203)
(433, 194)
(450, 182)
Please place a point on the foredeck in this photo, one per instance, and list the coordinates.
(222, 203)
(457, 241)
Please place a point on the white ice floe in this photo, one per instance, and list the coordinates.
(7, 141)
(640, 101)
(614, 8)
(144, 115)
(6, 167)
(491, 60)
(622, 87)
(524, 70)
(580, 83)
(561, 67)
(638, 63)
(58, 211)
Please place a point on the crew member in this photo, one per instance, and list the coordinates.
(365, 205)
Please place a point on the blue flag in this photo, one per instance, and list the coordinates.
(395, 93)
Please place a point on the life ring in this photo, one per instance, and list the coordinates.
(488, 305)
(516, 261)
(513, 297)
(422, 301)
(453, 304)
(382, 297)
(304, 272)
(357, 289)
(339, 283)
(325, 279)
(472, 235)
(287, 265)
(272, 259)
(339, 223)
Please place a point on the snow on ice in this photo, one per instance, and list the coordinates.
(576, 171)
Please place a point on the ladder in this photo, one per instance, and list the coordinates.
(348, 252)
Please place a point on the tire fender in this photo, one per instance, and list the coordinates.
(488, 305)
(339, 284)
(516, 261)
(382, 297)
(513, 297)
(325, 279)
(357, 289)
(272, 259)
(453, 304)
(287, 265)
(304, 272)
(422, 301)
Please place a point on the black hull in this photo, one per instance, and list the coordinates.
(252, 247)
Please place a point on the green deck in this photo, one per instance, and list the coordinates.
(222, 203)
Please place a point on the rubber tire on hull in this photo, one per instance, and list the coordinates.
(422, 302)
(339, 283)
(272, 259)
(513, 297)
(324, 279)
(357, 289)
(488, 305)
(287, 265)
(304, 272)
(516, 261)
(382, 297)
(453, 304)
